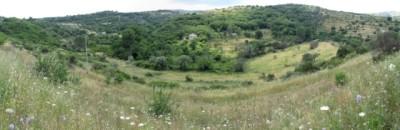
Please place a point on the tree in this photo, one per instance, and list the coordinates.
(184, 62)
(343, 51)
(79, 43)
(240, 65)
(388, 42)
(130, 44)
(389, 19)
(259, 34)
(308, 63)
(314, 44)
(204, 62)
(159, 63)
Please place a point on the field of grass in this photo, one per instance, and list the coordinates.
(281, 62)
(34, 103)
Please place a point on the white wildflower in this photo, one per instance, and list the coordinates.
(12, 127)
(132, 123)
(140, 124)
(122, 117)
(132, 108)
(361, 114)
(88, 114)
(301, 127)
(392, 67)
(10, 111)
(45, 78)
(53, 105)
(324, 108)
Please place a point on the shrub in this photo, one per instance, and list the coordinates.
(205, 63)
(52, 68)
(3, 38)
(116, 76)
(159, 63)
(314, 44)
(148, 74)
(343, 51)
(184, 62)
(72, 60)
(160, 103)
(240, 65)
(259, 34)
(252, 49)
(388, 42)
(270, 77)
(341, 78)
(308, 63)
(188, 78)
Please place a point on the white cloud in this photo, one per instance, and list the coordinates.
(46, 8)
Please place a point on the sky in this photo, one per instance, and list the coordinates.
(52, 8)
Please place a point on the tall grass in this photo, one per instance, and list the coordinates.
(369, 100)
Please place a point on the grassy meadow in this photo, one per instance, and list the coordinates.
(369, 100)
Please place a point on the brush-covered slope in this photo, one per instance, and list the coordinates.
(184, 40)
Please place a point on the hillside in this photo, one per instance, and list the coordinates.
(199, 38)
(244, 67)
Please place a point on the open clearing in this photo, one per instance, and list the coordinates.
(281, 62)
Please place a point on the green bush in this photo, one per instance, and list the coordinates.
(314, 44)
(148, 74)
(3, 38)
(159, 63)
(160, 103)
(188, 78)
(52, 68)
(116, 76)
(341, 78)
(240, 65)
(308, 63)
(184, 62)
(270, 77)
